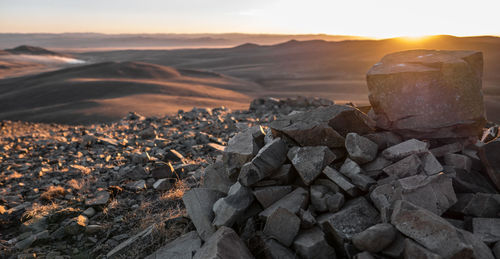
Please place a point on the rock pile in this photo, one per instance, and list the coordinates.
(325, 184)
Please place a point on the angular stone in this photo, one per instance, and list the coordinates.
(375, 238)
(322, 199)
(376, 165)
(216, 177)
(487, 229)
(242, 148)
(136, 185)
(458, 161)
(173, 155)
(341, 181)
(183, 247)
(447, 149)
(417, 93)
(405, 167)
(325, 182)
(223, 244)
(356, 175)
(311, 244)
(137, 173)
(414, 250)
(356, 216)
(435, 233)
(434, 193)
(430, 164)
(404, 149)
(228, 209)
(293, 202)
(384, 139)
(283, 226)
(274, 250)
(334, 202)
(283, 175)
(166, 171)
(199, 203)
(100, 198)
(481, 205)
(324, 126)
(307, 219)
(270, 158)
(360, 149)
(269, 195)
(350, 167)
(310, 161)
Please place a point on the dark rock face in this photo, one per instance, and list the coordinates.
(428, 93)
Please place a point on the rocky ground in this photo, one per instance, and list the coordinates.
(112, 190)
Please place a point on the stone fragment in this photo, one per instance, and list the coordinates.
(216, 177)
(242, 148)
(76, 225)
(458, 161)
(356, 216)
(199, 203)
(163, 184)
(324, 126)
(487, 229)
(405, 167)
(434, 193)
(136, 185)
(310, 161)
(384, 139)
(417, 93)
(183, 247)
(223, 244)
(147, 133)
(430, 164)
(350, 167)
(375, 238)
(137, 173)
(166, 171)
(322, 199)
(283, 175)
(447, 149)
(471, 182)
(270, 158)
(376, 165)
(360, 149)
(174, 156)
(341, 181)
(307, 219)
(274, 250)
(404, 149)
(435, 233)
(334, 202)
(283, 226)
(100, 198)
(356, 175)
(293, 202)
(311, 244)
(269, 195)
(414, 250)
(228, 209)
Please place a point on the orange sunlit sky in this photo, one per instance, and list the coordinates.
(380, 18)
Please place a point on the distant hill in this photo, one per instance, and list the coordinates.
(31, 50)
(107, 91)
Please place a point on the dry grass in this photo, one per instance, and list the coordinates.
(52, 193)
(39, 210)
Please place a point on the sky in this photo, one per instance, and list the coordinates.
(371, 18)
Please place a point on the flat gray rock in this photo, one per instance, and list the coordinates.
(223, 244)
(199, 203)
(360, 149)
(404, 149)
(183, 247)
(310, 161)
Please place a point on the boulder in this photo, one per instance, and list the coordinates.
(360, 149)
(436, 234)
(310, 161)
(324, 126)
(428, 93)
(199, 203)
(270, 158)
(223, 244)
